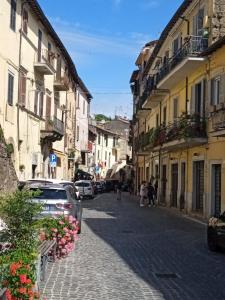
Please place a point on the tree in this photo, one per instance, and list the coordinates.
(100, 117)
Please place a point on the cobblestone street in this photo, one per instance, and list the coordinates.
(126, 252)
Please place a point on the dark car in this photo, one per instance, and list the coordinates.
(216, 233)
(99, 187)
(111, 185)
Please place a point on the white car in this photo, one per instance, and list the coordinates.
(85, 188)
(64, 183)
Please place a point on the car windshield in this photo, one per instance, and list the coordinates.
(51, 194)
(82, 184)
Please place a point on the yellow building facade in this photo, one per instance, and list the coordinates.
(180, 111)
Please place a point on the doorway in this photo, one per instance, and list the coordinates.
(216, 189)
(198, 186)
(174, 185)
(182, 189)
(164, 183)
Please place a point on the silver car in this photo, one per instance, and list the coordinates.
(58, 200)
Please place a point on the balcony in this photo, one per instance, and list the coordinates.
(187, 59)
(140, 111)
(44, 63)
(218, 123)
(61, 83)
(187, 132)
(54, 130)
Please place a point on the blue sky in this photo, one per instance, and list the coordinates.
(104, 38)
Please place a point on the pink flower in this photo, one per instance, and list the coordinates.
(61, 223)
(54, 229)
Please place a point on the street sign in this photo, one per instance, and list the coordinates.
(53, 160)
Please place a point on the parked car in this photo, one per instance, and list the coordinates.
(216, 233)
(103, 186)
(57, 200)
(99, 186)
(57, 181)
(94, 187)
(85, 188)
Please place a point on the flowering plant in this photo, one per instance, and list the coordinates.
(62, 229)
(18, 275)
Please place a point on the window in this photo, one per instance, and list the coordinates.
(39, 102)
(98, 154)
(215, 91)
(10, 88)
(99, 138)
(175, 108)
(105, 155)
(198, 22)
(13, 15)
(177, 44)
(114, 142)
(22, 88)
(78, 100)
(78, 129)
(83, 158)
(25, 21)
(84, 107)
(164, 115)
(106, 140)
(157, 120)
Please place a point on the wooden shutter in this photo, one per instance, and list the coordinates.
(36, 102)
(203, 95)
(10, 88)
(192, 102)
(23, 84)
(41, 103)
(211, 91)
(222, 88)
(25, 21)
(48, 107)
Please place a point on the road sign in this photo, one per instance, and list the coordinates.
(53, 160)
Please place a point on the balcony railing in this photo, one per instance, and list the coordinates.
(44, 62)
(218, 120)
(187, 127)
(193, 47)
(54, 129)
(61, 83)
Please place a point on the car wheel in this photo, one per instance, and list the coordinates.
(211, 240)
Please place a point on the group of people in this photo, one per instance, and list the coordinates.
(148, 194)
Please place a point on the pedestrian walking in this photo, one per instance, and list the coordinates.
(143, 193)
(151, 195)
(119, 190)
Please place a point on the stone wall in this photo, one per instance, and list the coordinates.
(218, 20)
(8, 178)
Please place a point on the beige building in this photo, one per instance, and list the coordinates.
(39, 85)
(179, 110)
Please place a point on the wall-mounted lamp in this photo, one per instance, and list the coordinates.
(196, 154)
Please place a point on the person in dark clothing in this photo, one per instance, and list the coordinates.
(119, 190)
(151, 195)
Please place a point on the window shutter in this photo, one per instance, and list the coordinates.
(41, 103)
(203, 95)
(10, 89)
(192, 104)
(23, 83)
(222, 88)
(36, 101)
(211, 91)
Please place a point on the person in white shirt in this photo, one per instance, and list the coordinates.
(143, 193)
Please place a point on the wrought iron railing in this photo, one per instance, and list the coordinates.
(193, 47)
(218, 119)
(55, 124)
(46, 56)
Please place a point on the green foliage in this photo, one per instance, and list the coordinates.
(101, 117)
(19, 212)
(9, 149)
(1, 135)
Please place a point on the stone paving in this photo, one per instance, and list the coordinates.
(126, 253)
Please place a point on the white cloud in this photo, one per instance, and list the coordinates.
(148, 4)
